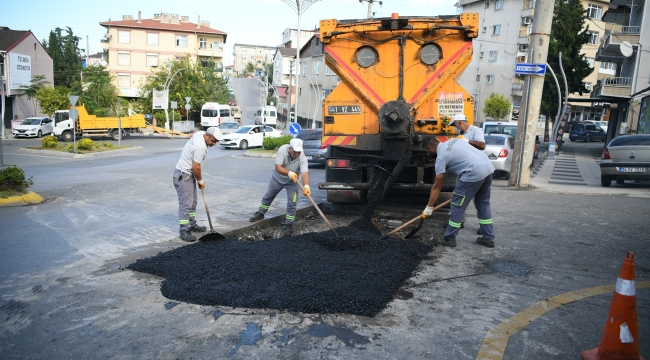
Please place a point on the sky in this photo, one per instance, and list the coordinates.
(255, 22)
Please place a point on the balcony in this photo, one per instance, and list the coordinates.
(614, 86)
(528, 9)
(610, 46)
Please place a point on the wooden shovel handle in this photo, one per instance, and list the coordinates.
(206, 211)
(318, 209)
(416, 219)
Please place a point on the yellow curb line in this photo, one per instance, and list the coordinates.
(495, 341)
(28, 199)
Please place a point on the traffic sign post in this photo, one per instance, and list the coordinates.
(73, 114)
(530, 69)
(294, 128)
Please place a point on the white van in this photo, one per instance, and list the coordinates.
(213, 114)
(500, 127)
(270, 113)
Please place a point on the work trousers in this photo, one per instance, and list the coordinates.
(461, 197)
(185, 185)
(292, 198)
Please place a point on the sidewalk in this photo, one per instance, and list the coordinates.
(576, 170)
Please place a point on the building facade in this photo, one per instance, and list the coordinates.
(22, 57)
(137, 46)
(256, 54)
(315, 81)
(503, 42)
(284, 75)
(625, 46)
(290, 37)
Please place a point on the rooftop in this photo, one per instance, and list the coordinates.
(10, 38)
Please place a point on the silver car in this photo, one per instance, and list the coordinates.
(312, 146)
(626, 158)
(499, 149)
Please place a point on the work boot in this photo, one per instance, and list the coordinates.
(256, 217)
(198, 228)
(186, 235)
(449, 243)
(480, 240)
(288, 230)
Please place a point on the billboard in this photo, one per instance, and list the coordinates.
(643, 127)
(20, 70)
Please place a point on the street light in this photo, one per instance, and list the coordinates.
(299, 7)
(166, 90)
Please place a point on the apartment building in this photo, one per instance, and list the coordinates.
(137, 46)
(256, 54)
(315, 81)
(21, 57)
(290, 37)
(627, 84)
(503, 42)
(284, 75)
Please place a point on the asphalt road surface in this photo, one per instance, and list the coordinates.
(65, 291)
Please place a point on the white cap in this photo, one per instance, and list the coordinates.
(458, 117)
(296, 144)
(211, 130)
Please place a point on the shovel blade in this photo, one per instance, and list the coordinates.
(417, 228)
(212, 237)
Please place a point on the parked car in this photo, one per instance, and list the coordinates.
(626, 157)
(312, 145)
(248, 136)
(586, 132)
(228, 127)
(33, 126)
(499, 149)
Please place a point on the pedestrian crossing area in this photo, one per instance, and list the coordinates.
(597, 154)
(565, 171)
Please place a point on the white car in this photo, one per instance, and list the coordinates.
(33, 126)
(248, 136)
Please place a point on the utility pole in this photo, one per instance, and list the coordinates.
(291, 62)
(526, 130)
(370, 2)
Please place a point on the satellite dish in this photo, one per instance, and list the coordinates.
(626, 49)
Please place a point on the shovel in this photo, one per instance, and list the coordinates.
(212, 235)
(418, 227)
(318, 209)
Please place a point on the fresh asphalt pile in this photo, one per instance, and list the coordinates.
(356, 273)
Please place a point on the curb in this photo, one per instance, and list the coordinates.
(77, 156)
(30, 198)
(259, 155)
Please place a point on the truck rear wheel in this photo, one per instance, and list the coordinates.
(67, 136)
(115, 135)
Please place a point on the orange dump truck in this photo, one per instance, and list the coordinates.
(398, 84)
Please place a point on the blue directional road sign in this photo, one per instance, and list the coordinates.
(530, 69)
(294, 129)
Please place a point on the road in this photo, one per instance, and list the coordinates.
(64, 292)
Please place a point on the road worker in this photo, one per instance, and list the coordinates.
(289, 163)
(475, 179)
(186, 177)
(470, 133)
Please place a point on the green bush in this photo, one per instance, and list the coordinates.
(85, 144)
(49, 142)
(70, 147)
(272, 143)
(13, 179)
(107, 145)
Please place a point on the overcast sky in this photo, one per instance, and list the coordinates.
(245, 21)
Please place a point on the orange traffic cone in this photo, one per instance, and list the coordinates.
(621, 334)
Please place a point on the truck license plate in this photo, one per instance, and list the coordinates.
(343, 110)
(628, 170)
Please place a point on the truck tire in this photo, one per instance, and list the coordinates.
(115, 135)
(67, 136)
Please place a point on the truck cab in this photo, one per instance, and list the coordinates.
(63, 126)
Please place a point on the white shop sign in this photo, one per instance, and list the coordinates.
(20, 70)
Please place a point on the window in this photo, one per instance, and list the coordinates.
(224, 112)
(152, 60)
(493, 56)
(243, 50)
(329, 71)
(484, 29)
(304, 70)
(487, 4)
(593, 37)
(490, 79)
(123, 58)
(480, 54)
(181, 41)
(608, 66)
(152, 39)
(594, 11)
(216, 45)
(124, 37)
(317, 68)
(124, 80)
(590, 61)
(496, 30)
(243, 57)
(203, 43)
(498, 5)
(478, 77)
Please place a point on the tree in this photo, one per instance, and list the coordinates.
(249, 70)
(568, 35)
(52, 99)
(36, 83)
(496, 106)
(99, 95)
(66, 56)
(199, 81)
